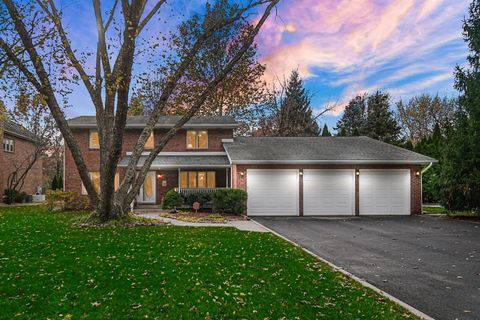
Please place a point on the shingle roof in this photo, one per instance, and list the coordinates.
(318, 150)
(19, 131)
(163, 122)
(171, 161)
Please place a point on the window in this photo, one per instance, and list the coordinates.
(8, 145)
(14, 178)
(95, 177)
(197, 179)
(94, 141)
(150, 142)
(197, 139)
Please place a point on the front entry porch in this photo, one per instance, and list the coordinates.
(183, 180)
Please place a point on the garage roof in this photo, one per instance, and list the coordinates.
(182, 161)
(163, 122)
(333, 150)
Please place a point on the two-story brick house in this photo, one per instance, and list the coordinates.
(18, 146)
(282, 176)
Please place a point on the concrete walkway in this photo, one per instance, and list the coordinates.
(244, 225)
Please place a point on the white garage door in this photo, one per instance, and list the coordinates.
(272, 192)
(384, 192)
(328, 192)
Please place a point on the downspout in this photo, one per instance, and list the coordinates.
(421, 181)
(427, 167)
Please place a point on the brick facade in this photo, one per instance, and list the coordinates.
(9, 162)
(240, 179)
(168, 179)
(178, 143)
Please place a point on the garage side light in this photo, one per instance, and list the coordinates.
(242, 173)
(357, 173)
(417, 173)
(301, 173)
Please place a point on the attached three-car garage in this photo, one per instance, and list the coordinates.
(326, 176)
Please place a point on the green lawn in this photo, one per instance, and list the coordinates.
(440, 210)
(52, 270)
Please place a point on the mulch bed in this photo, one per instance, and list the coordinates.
(205, 217)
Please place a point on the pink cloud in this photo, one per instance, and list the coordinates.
(352, 35)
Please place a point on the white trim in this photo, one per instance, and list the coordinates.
(330, 161)
(163, 126)
(199, 166)
(405, 305)
(189, 153)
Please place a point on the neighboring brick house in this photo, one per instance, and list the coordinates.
(282, 176)
(18, 148)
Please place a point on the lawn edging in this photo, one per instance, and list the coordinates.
(405, 305)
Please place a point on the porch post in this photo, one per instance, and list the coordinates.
(226, 178)
(178, 178)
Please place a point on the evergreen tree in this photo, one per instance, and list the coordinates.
(354, 117)
(342, 133)
(460, 176)
(295, 117)
(381, 123)
(325, 131)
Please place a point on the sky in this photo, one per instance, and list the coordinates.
(340, 47)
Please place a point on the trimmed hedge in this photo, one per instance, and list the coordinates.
(232, 201)
(204, 198)
(172, 200)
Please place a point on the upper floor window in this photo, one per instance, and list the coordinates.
(150, 142)
(94, 141)
(8, 145)
(197, 139)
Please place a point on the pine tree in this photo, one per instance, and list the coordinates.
(342, 133)
(460, 176)
(381, 123)
(325, 131)
(295, 117)
(354, 117)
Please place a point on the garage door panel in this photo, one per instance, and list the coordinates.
(272, 192)
(328, 192)
(384, 192)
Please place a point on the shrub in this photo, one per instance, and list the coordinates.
(230, 201)
(172, 200)
(13, 196)
(203, 198)
(57, 182)
(67, 201)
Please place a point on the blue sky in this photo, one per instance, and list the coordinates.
(341, 47)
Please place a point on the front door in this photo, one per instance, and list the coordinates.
(147, 191)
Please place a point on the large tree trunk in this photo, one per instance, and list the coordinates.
(109, 91)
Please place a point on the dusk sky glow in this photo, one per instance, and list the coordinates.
(341, 47)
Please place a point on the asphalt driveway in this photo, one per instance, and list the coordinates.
(430, 263)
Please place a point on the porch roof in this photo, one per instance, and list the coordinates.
(178, 161)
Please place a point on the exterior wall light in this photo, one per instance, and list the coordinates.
(159, 176)
(417, 173)
(357, 173)
(242, 173)
(301, 173)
